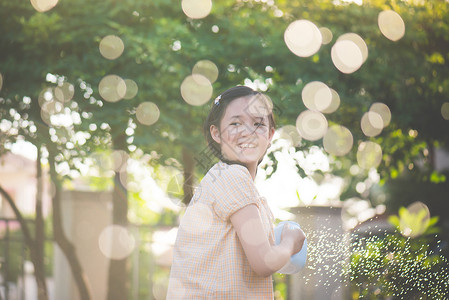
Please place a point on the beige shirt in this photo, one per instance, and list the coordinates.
(208, 259)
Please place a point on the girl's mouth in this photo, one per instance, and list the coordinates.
(245, 146)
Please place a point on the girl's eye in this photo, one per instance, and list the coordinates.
(235, 124)
(258, 124)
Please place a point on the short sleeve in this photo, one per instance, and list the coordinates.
(233, 190)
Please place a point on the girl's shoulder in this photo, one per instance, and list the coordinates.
(223, 172)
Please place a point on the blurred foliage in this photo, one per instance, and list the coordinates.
(13, 252)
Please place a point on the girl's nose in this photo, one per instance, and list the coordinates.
(245, 130)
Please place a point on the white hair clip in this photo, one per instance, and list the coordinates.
(217, 100)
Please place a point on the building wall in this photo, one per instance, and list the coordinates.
(18, 178)
(85, 215)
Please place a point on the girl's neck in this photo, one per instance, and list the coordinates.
(252, 170)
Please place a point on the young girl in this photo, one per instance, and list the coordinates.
(225, 244)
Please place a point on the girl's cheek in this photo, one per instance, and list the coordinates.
(262, 130)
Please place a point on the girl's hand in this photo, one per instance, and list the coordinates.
(294, 235)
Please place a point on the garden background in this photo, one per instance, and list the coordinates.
(110, 96)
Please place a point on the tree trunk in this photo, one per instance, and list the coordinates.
(29, 242)
(118, 279)
(61, 239)
(188, 162)
(39, 265)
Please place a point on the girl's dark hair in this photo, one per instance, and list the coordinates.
(218, 108)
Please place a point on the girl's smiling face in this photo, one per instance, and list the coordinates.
(245, 132)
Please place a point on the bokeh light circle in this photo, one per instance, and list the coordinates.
(196, 90)
(358, 40)
(52, 107)
(316, 95)
(111, 47)
(116, 242)
(311, 125)
(445, 110)
(64, 92)
(303, 38)
(415, 221)
(43, 5)
(338, 140)
(196, 9)
(369, 155)
(46, 95)
(206, 68)
(335, 103)
(391, 25)
(383, 111)
(147, 113)
(349, 53)
(112, 88)
(326, 35)
(119, 159)
(131, 89)
(291, 134)
(371, 124)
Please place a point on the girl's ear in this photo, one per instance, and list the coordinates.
(270, 134)
(215, 133)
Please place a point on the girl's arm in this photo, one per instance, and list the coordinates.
(264, 258)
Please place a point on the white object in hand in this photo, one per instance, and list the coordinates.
(298, 260)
